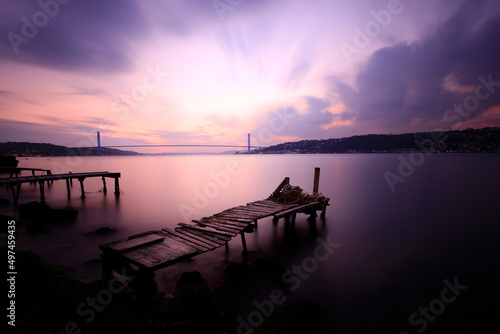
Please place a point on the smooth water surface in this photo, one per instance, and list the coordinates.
(396, 247)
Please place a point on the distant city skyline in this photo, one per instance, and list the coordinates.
(198, 71)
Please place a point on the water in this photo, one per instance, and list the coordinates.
(396, 248)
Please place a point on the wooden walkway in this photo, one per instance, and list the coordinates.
(16, 182)
(158, 249)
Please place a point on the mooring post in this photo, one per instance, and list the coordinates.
(117, 187)
(316, 180)
(104, 189)
(81, 186)
(67, 188)
(42, 191)
(243, 241)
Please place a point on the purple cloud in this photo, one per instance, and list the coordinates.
(405, 81)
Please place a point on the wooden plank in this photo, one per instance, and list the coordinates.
(197, 246)
(237, 213)
(296, 209)
(257, 208)
(155, 256)
(137, 242)
(236, 219)
(200, 236)
(261, 213)
(227, 222)
(231, 228)
(215, 233)
(177, 246)
(234, 231)
(270, 206)
(194, 238)
(242, 215)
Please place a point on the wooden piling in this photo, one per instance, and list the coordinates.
(243, 241)
(68, 188)
(117, 187)
(316, 180)
(42, 191)
(81, 187)
(104, 189)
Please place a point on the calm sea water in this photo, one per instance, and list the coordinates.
(396, 247)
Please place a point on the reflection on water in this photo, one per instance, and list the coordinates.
(396, 248)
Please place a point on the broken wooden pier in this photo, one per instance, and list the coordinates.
(153, 250)
(15, 182)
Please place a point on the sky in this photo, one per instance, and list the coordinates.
(204, 71)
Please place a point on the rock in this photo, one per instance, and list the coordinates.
(102, 231)
(4, 201)
(38, 212)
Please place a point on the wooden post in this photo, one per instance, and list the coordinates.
(81, 186)
(117, 187)
(316, 180)
(104, 189)
(67, 188)
(243, 241)
(42, 191)
(323, 212)
(293, 219)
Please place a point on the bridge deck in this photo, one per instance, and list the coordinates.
(158, 249)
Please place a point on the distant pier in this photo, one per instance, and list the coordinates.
(15, 182)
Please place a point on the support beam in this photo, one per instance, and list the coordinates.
(117, 187)
(81, 187)
(243, 241)
(104, 189)
(42, 191)
(68, 188)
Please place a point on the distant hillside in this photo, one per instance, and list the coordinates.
(24, 149)
(466, 141)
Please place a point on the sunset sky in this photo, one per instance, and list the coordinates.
(203, 71)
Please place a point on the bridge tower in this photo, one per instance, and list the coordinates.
(98, 143)
(248, 143)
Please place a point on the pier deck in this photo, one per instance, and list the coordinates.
(153, 250)
(16, 182)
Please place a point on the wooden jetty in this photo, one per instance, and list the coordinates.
(153, 250)
(16, 182)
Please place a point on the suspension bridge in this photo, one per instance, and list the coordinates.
(108, 141)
